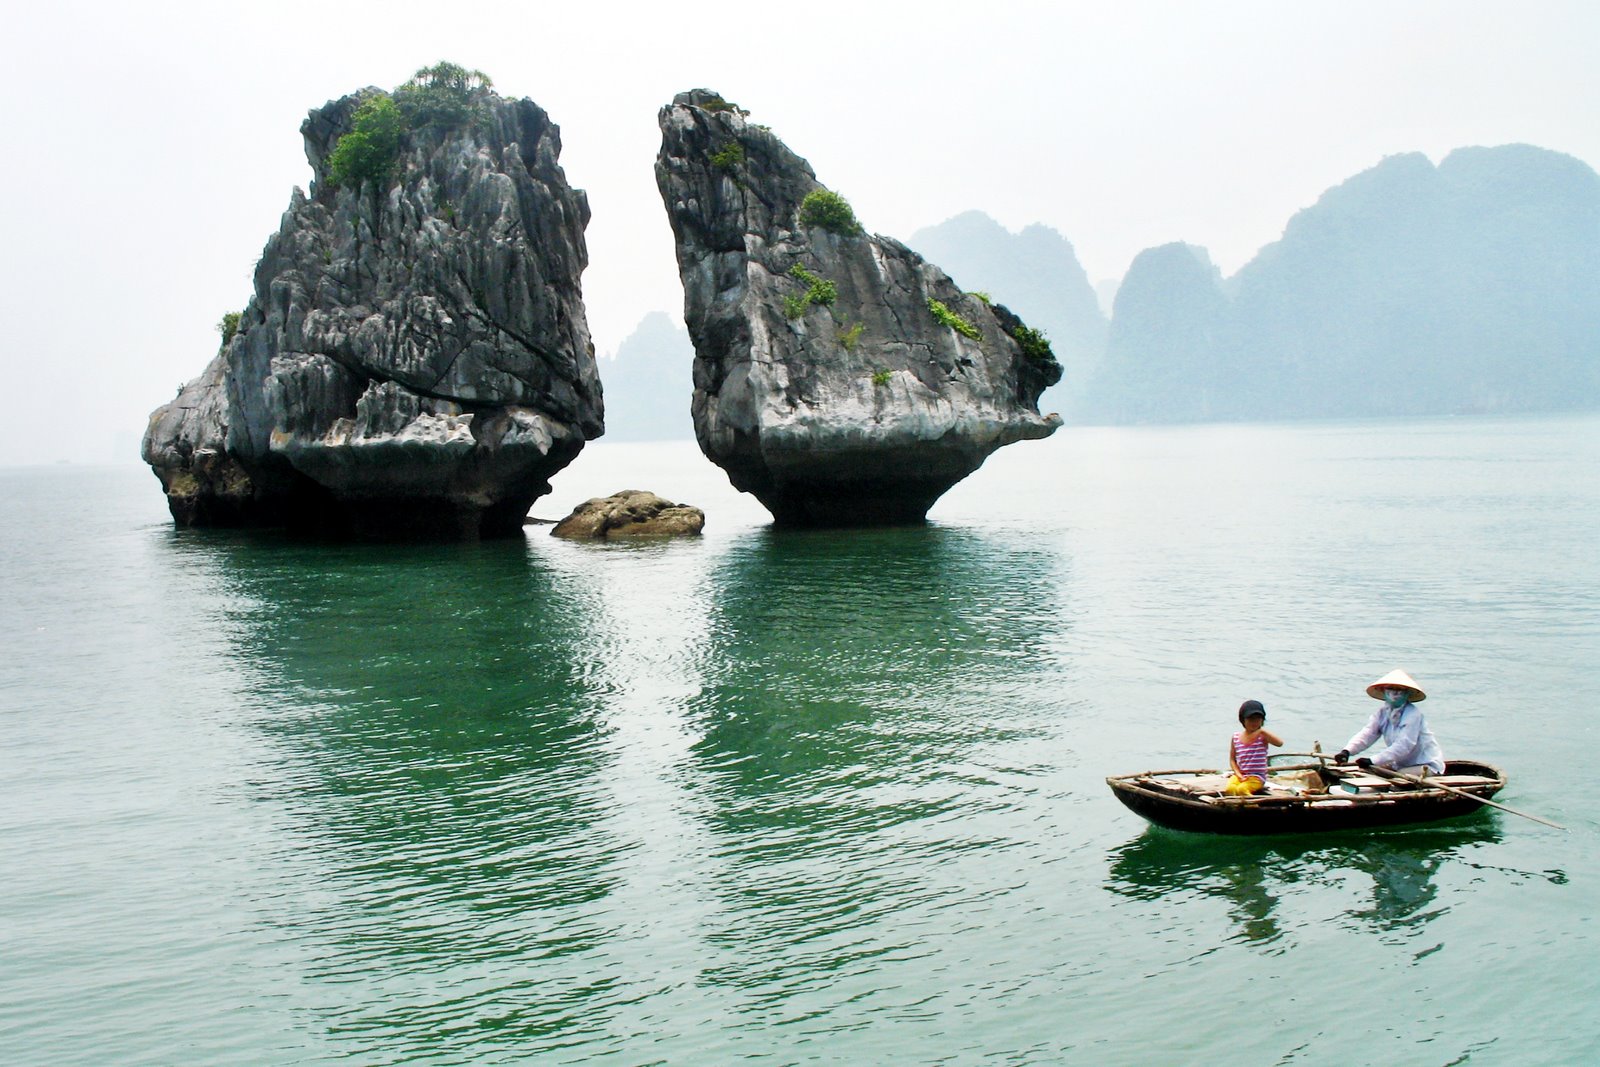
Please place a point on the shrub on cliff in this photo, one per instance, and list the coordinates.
(443, 95)
(829, 210)
(942, 312)
(369, 150)
(716, 103)
(818, 291)
(729, 156)
(1035, 345)
(228, 326)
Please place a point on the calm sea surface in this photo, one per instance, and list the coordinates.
(806, 797)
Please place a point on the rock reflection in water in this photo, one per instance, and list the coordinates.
(851, 735)
(439, 770)
(553, 775)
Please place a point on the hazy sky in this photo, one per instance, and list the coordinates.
(151, 148)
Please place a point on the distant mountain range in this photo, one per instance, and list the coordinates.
(649, 382)
(1468, 287)
(1472, 286)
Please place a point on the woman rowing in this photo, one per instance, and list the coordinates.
(1409, 746)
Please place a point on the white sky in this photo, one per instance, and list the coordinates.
(151, 147)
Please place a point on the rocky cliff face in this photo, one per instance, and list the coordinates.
(415, 359)
(839, 377)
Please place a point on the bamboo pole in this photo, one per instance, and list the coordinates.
(1384, 772)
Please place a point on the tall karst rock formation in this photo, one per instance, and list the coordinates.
(415, 359)
(839, 377)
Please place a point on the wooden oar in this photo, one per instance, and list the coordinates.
(1384, 772)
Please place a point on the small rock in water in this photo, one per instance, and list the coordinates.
(630, 513)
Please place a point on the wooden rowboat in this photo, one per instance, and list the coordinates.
(1295, 801)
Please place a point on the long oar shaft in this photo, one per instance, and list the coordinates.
(1385, 772)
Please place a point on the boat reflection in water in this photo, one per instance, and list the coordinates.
(1254, 875)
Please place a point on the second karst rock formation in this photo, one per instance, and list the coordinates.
(839, 377)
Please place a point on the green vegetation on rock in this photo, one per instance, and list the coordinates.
(1035, 345)
(952, 320)
(728, 156)
(228, 327)
(818, 291)
(882, 377)
(848, 338)
(443, 95)
(368, 152)
(716, 103)
(830, 211)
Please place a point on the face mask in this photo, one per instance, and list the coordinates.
(1395, 698)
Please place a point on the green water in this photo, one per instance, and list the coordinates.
(805, 797)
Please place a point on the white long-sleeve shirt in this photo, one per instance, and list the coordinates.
(1405, 734)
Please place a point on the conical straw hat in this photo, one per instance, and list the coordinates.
(1396, 679)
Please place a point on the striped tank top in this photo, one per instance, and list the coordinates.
(1252, 757)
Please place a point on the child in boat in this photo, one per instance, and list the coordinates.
(1247, 751)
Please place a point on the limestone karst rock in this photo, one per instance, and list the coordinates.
(631, 513)
(839, 377)
(415, 359)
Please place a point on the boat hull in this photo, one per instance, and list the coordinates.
(1177, 809)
